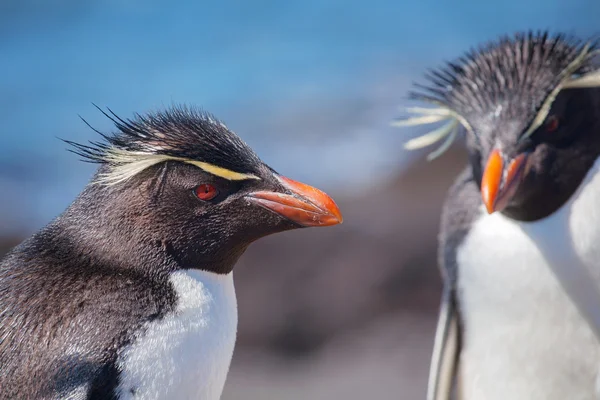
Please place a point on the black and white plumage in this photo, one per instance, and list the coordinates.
(520, 233)
(129, 293)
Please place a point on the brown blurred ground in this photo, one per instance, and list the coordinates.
(345, 312)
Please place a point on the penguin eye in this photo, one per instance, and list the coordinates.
(206, 192)
(552, 123)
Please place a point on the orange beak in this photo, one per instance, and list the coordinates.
(306, 206)
(499, 184)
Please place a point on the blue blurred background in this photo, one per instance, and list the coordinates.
(312, 86)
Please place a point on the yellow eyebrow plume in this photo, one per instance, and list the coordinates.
(221, 172)
(566, 79)
(125, 164)
(446, 132)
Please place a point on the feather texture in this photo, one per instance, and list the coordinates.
(517, 76)
(179, 134)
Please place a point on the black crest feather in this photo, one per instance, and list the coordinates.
(526, 66)
(180, 132)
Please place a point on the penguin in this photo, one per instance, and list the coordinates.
(129, 293)
(519, 242)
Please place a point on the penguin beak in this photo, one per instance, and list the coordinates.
(305, 205)
(501, 180)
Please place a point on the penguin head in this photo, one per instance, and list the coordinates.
(529, 106)
(180, 183)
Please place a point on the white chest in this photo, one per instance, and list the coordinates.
(185, 355)
(523, 336)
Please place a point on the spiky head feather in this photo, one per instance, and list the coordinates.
(517, 76)
(181, 133)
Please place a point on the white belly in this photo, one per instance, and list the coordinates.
(185, 355)
(523, 336)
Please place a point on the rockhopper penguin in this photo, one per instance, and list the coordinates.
(129, 293)
(520, 232)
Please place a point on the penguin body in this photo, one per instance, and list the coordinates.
(129, 293)
(147, 347)
(522, 336)
(519, 253)
(53, 344)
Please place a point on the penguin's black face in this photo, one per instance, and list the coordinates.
(529, 105)
(180, 187)
(205, 221)
(529, 178)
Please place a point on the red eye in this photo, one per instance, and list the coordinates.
(206, 192)
(552, 123)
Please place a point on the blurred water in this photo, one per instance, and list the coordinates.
(311, 85)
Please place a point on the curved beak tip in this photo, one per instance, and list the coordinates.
(499, 184)
(489, 204)
(306, 205)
